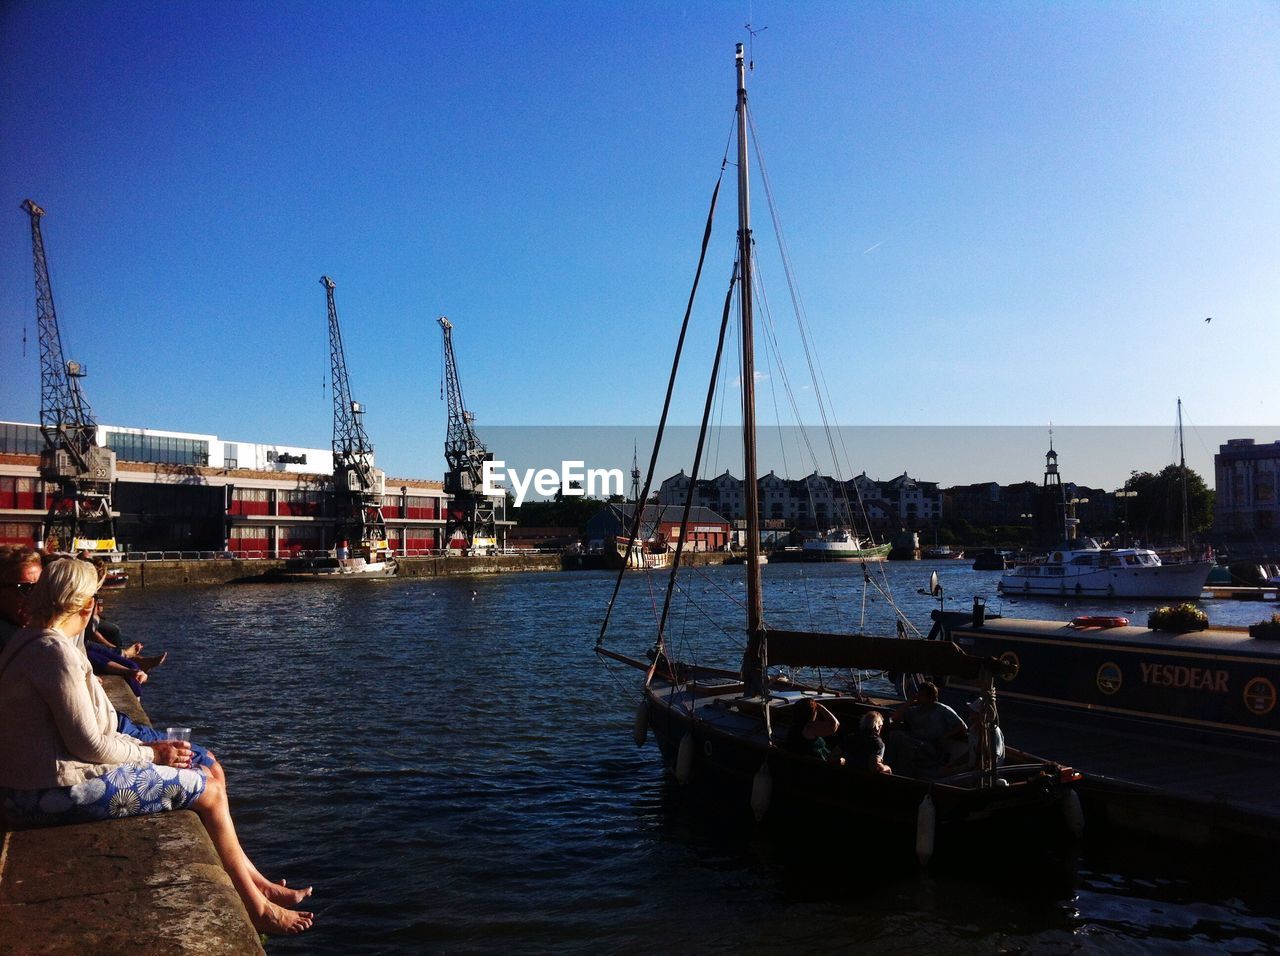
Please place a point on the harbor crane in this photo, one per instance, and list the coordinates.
(357, 485)
(472, 514)
(81, 471)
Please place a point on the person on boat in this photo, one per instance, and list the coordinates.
(971, 759)
(924, 729)
(811, 724)
(62, 761)
(867, 749)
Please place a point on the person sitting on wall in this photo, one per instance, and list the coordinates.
(811, 723)
(923, 730)
(867, 748)
(19, 571)
(108, 635)
(24, 566)
(62, 761)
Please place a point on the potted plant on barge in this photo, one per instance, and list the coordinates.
(1266, 630)
(1180, 618)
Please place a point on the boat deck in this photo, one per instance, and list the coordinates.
(1214, 640)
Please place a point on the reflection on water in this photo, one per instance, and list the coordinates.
(452, 767)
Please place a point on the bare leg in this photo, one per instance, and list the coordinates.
(275, 892)
(267, 917)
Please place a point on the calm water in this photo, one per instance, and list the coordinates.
(453, 769)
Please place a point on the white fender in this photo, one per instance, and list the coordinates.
(1073, 813)
(684, 758)
(926, 824)
(640, 729)
(761, 792)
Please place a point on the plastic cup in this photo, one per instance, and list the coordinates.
(178, 733)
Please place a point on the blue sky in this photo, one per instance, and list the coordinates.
(999, 214)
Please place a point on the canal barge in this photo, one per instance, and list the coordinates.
(1179, 727)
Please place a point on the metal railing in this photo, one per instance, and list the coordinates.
(259, 555)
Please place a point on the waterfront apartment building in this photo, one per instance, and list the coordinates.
(1246, 479)
(817, 502)
(184, 492)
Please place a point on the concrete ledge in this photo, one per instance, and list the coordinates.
(149, 884)
(139, 886)
(495, 564)
(215, 571)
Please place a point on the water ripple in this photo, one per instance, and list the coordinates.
(455, 773)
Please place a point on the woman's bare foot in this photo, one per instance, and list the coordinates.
(133, 650)
(278, 921)
(280, 892)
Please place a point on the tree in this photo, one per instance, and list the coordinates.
(1155, 513)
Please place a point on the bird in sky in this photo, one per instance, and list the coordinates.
(1209, 319)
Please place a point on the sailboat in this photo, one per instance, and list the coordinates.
(732, 729)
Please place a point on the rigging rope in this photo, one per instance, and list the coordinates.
(697, 456)
(638, 516)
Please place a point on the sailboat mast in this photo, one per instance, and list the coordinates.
(755, 600)
(1182, 465)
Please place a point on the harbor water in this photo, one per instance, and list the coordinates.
(452, 767)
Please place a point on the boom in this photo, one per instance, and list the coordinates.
(471, 513)
(358, 486)
(79, 516)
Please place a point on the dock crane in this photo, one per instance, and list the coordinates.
(472, 514)
(82, 472)
(358, 486)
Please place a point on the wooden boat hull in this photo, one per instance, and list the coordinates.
(729, 749)
(618, 555)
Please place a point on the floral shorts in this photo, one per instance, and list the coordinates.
(125, 791)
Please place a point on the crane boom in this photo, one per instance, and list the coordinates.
(79, 516)
(358, 486)
(472, 514)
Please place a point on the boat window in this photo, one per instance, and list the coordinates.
(1082, 559)
(1048, 569)
(1131, 559)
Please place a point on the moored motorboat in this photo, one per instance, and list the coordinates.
(1083, 569)
(372, 562)
(993, 559)
(841, 544)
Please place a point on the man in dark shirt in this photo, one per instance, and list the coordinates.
(924, 729)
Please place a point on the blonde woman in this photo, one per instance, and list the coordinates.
(63, 761)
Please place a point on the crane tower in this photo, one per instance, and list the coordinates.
(79, 516)
(472, 514)
(358, 486)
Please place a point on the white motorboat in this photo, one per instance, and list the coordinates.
(1082, 568)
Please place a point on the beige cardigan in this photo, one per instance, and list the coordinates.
(57, 727)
